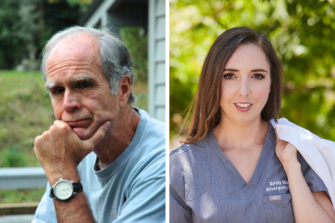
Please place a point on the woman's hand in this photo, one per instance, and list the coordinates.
(286, 152)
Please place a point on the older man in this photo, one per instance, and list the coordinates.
(104, 159)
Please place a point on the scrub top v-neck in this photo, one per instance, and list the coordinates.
(206, 187)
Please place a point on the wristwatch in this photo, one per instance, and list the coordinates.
(64, 190)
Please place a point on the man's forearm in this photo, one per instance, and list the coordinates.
(74, 210)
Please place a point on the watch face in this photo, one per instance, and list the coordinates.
(63, 190)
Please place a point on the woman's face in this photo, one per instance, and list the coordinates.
(245, 85)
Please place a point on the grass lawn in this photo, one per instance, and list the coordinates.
(25, 112)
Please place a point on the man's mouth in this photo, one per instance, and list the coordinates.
(82, 123)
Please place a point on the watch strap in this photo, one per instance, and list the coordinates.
(51, 194)
(77, 187)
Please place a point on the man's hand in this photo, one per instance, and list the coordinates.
(60, 150)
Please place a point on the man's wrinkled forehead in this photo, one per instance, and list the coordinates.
(75, 45)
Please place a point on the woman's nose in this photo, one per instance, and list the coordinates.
(244, 87)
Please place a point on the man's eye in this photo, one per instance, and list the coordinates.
(229, 76)
(258, 76)
(83, 84)
(58, 90)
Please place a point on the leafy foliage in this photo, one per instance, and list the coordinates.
(302, 33)
(25, 26)
(137, 44)
(82, 3)
(9, 35)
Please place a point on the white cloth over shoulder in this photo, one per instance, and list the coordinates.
(318, 153)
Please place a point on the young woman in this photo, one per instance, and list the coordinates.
(232, 167)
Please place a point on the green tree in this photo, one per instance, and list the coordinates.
(302, 33)
(25, 26)
(137, 45)
(9, 37)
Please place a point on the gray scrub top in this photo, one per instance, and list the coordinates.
(206, 187)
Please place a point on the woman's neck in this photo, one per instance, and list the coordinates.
(240, 135)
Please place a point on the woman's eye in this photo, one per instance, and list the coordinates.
(229, 76)
(258, 76)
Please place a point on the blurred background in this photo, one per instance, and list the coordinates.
(302, 33)
(25, 109)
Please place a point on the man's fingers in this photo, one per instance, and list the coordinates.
(98, 135)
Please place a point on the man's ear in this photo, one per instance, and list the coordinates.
(124, 89)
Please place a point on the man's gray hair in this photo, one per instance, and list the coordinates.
(116, 60)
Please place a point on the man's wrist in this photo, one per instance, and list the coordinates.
(64, 190)
(74, 177)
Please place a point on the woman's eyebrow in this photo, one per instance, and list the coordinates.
(259, 70)
(254, 70)
(228, 69)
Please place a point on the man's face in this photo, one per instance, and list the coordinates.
(80, 93)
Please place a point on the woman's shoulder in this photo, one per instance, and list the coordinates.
(185, 150)
(192, 149)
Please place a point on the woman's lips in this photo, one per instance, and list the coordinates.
(243, 109)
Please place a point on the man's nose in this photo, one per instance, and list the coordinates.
(71, 101)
